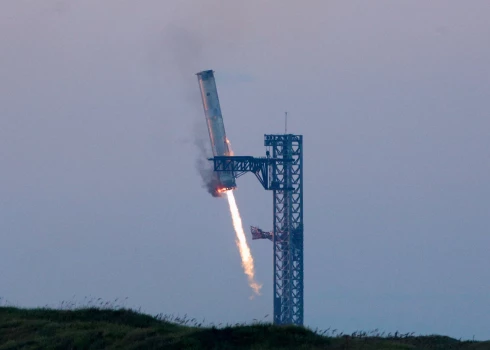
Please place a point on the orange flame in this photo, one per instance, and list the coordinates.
(221, 190)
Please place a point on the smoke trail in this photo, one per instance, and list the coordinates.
(241, 242)
(204, 167)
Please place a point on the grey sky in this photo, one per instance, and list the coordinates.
(99, 195)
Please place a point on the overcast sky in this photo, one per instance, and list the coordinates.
(100, 197)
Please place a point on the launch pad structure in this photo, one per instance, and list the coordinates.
(281, 172)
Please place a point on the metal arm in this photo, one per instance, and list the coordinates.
(239, 165)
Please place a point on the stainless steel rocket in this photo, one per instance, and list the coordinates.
(216, 127)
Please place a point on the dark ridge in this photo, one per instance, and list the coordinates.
(122, 316)
(93, 328)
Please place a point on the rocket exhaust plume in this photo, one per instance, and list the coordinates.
(241, 242)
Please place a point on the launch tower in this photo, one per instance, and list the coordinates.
(287, 189)
(281, 171)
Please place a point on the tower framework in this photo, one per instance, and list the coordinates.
(287, 187)
(282, 172)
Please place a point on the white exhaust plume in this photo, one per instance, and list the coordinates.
(241, 242)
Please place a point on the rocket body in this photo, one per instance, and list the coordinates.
(214, 121)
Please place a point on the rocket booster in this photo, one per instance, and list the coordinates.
(214, 120)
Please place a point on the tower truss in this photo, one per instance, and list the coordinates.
(287, 187)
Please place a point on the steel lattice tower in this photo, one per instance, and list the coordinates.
(282, 172)
(287, 187)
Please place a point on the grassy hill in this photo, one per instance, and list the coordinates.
(94, 328)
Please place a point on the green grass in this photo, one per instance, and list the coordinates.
(96, 328)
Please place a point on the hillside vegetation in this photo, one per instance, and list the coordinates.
(95, 328)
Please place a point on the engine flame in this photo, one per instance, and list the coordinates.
(230, 151)
(241, 242)
(221, 190)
